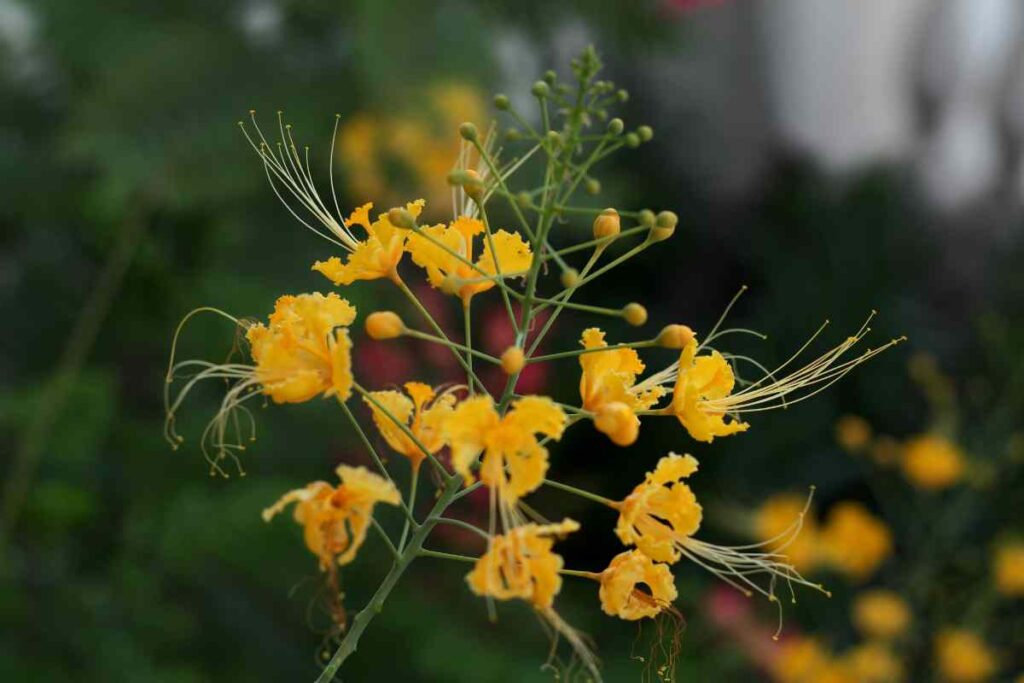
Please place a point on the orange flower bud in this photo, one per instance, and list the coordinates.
(384, 325)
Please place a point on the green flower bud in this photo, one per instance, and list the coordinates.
(667, 219)
(647, 218)
(622, 96)
(540, 89)
(550, 77)
(632, 140)
(401, 218)
(645, 133)
(615, 126)
(468, 131)
(513, 135)
(592, 186)
(501, 102)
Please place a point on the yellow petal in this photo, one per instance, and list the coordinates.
(537, 414)
(401, 408)
(466, 431)
(513, 255)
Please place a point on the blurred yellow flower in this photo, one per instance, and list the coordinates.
(634, 587)
(412, 149)
(607, 388)
(886, 450)
(305, 349)
(377, 255)
(872, 662)
(335, 518)
(854, 541)
(963, 657)
(513, 256)
(1009, 569)
(853, 433)
(520, 564)
(881, 614)
(773, 524)
(932, 462)
(700, 381)
(805, 660)
(514, 463)
(426, 422)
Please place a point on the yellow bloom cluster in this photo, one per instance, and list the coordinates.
(472, 438)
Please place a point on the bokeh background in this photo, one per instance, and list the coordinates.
(836, 156)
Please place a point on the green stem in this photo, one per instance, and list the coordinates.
(581, 493)
(375, 456)
(437, 328)
(351, 640)
(581, 246)
(384, 537)
(645, 344)
(447, 556)
(465, 525)
(452, 345)
(412, 505)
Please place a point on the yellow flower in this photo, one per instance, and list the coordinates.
(520, 564)
(881, 614)
(661, 516)
(931, 462)
(607, 388)
(1009, 569)
(963, 657)
(774, 524)
(426, 422)
(853, 433)
(873, 663)
(700, 381)
(508, 442)
(704, 399)
(513, 255)
(854, 541)
(375, 256)
(634, 587)
(335, 518)
(305, 349)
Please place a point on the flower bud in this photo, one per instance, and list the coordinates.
(615, 126)
(554, 139)
(501, 102)
(592, 186)
(473, 186)
(468, 131)
(622, 96)
(401, 218)
(618, 422)
(634, 314)
(570, 277)
(384, 325)
(632, 140)
(645, 133)
(664, 226)
(607, 224)
(512, 360)
(457, 177)
(540, 89)
(524, 200)
(675, 336)
(646, 218)
(513, 135)
(550, 77)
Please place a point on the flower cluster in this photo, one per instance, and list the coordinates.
(469, 437)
